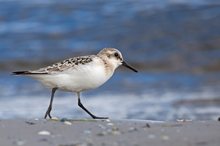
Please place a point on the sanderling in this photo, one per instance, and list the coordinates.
(78, 74)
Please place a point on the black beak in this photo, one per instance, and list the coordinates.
(128, 66)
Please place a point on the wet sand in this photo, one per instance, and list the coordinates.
(86, 132)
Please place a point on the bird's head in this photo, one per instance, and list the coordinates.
(114, 57)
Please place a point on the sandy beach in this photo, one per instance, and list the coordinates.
(87, 132)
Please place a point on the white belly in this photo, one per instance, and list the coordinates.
(77, 79)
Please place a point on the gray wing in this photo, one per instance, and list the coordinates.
(59, 66)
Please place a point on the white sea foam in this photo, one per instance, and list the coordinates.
(118, 106)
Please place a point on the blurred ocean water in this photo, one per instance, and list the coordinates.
(175, 45)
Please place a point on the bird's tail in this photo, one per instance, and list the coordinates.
(21, 73)
(27, 73)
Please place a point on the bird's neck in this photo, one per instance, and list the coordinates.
(109, 66)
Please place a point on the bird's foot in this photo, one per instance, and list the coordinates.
(95, 117)
(47, 114)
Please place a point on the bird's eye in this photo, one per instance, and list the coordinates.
(116, 54)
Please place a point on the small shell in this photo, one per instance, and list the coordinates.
(67, 123)
(44, 132)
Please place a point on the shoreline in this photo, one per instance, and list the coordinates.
(89, 132)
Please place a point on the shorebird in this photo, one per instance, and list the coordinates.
(78, 74)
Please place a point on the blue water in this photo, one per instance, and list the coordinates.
(174, 45)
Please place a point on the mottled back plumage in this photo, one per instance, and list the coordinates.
(66, 64)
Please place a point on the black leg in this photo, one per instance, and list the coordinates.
(50, 105)
(81, 105)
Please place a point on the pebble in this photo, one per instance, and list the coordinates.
(108, 120)
(43, 132)
(131, 129)
(184, 120)
(115, 128)
(30, 123)
(110, 124)
(115, 132)
(165, 137)
(67, 123)
(102, 133)
(63, 120)
(55, 118)
(147, 125)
